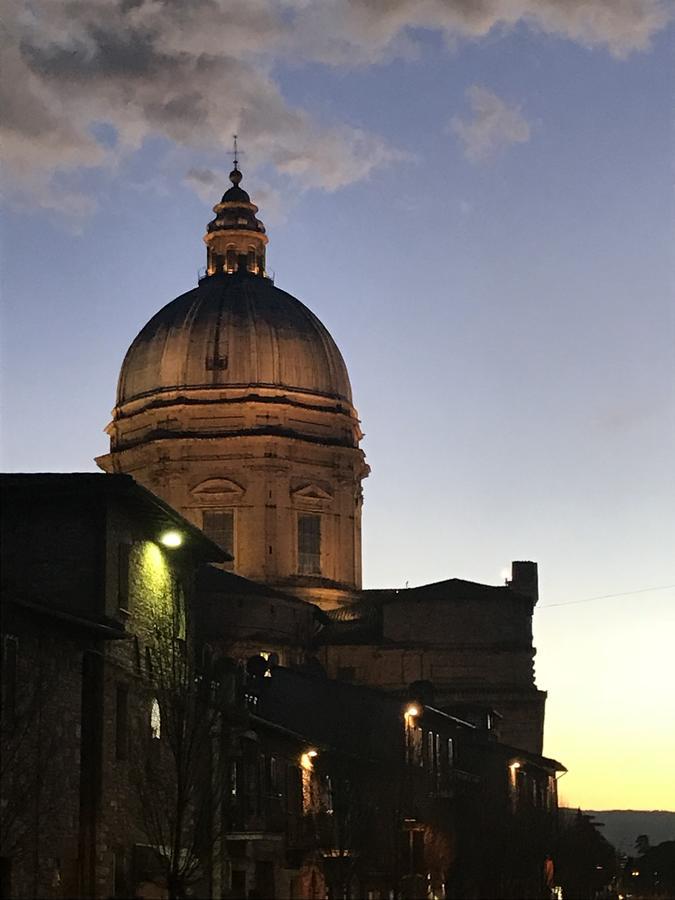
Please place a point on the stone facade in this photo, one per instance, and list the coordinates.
(471, 643)
(41, 752)
(85, 580)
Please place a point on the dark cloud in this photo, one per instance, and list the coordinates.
(196, 72)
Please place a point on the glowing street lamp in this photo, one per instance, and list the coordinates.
(411, 711)
(171, 539)
(513, 770)
(306, 759)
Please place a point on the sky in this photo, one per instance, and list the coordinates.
(476, 201)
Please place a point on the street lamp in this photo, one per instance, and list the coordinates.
(171, 539)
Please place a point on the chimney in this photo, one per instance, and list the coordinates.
(525, 580)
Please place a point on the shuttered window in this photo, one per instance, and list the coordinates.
(309, 545)
(218, 524)
(123, 557)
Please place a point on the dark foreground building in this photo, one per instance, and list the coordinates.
(154, 744)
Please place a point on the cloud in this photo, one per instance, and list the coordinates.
(363, 30)
(193, 73)
(207, 183)
(493, 126)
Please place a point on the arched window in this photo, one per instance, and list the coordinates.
(155, 720)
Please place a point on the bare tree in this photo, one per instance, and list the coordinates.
(180, 779)
(30, 755)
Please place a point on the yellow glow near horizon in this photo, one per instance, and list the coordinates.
(608, 713)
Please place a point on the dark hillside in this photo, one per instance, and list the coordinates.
(622, 826)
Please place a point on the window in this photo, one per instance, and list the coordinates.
(309, 544)
(414, 745)
(327, 795)
(10, 647)
(137, 655)
(120, 885)
(121, 721)
(430, 750)
(346, 673)
(148, 662)
(123, 556)
(179, 607)
(274, 777)
(218, 524)
(155, 720)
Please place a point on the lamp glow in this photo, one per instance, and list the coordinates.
(514, 765)
(312, 753)
(412, 711)
(171, 539)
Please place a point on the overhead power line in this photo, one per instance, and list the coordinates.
(664, 587)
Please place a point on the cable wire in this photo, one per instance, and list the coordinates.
(664, 587)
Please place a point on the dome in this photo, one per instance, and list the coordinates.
(234, 330)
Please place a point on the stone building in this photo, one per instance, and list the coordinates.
(234, 405)
(89, 565)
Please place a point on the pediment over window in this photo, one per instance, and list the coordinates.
(218, 488)
(311, 493)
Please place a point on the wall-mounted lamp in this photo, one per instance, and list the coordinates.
(171, 539)
(306, 759)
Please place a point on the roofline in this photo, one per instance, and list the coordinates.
(535, 758)
(101, 628)
(122, 485)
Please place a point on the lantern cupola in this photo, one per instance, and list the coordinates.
(236, 238)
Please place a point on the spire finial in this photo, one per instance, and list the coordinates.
(235, 174)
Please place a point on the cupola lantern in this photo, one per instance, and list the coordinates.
(235, 239)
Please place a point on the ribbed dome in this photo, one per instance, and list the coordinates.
(234, 331)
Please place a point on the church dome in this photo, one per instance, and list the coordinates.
(234, 330)
(234, 406)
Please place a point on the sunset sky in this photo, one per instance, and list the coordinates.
(476, 200)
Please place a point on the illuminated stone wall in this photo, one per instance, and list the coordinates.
(156, 574)
(267, 481)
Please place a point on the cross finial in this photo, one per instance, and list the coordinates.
(235, 152)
